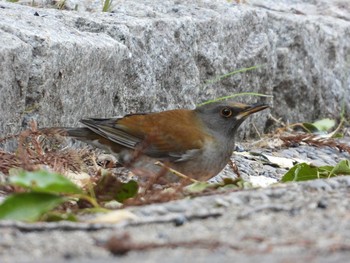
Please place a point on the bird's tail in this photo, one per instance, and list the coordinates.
(81, 134)
(85, 135)
(78, 133)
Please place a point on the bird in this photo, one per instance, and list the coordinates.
(195, 142)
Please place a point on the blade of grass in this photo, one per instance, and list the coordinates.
(210, 81)
(235, 95)
(107, 5)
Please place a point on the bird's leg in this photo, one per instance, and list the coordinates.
(181, 175)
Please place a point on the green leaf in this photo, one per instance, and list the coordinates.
(303, 171)
(337, 135)
(43, 181)
(28, 206)
(309, 127)
(198, 187)
(326, 168)
(127, 190)
(324, 124)
(56, 216)
(343, 168)
(234, 183)
(300, 172)
(226, 183)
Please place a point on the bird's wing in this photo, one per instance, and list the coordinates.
(181, 140)
(108, 129)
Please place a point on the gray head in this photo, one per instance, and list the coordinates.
(226, 117)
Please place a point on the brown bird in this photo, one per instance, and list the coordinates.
(197, 143)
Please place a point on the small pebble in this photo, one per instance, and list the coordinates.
(322, 204)
(179, 221)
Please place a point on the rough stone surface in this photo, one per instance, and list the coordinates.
(294, 222)
(59, 66)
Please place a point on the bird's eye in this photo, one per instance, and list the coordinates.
(226, 112)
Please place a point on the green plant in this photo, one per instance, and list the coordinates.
(304, 172)
(42, 191)
(107, 5)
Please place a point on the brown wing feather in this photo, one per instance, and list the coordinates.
(163, 140)
(180, 135)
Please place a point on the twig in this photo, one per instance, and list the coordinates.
(234, 168)
(176, 172)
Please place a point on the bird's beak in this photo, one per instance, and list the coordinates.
(250, 109)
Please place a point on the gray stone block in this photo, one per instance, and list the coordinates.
(60, 66)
